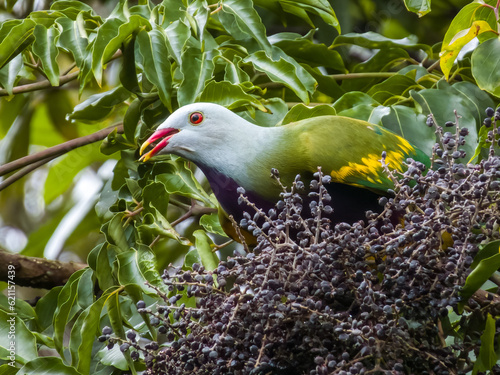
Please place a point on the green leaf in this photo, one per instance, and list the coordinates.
(203, 243)
(109, 39)
(486, 251)
(410, 125)
(65, 302)
(46, 307)
(229, 95)
(116, 233)
(305, 51)
(9, 73)
(233, 71)
(100, 105)
(397, 85)
(479, 275)
(177, 34)
(100, 260)
(155, 195)
(199, 10)
(300, 112)
(326, 84)
(57, 105)
(487, 357)
(191, 258)
(107, 198)
(443, 102)
(18, 38)
(115, 142)
(464, 19)
(420, 7)
(211, 223)
(486, 66)
(85, 292)
(6, 26)
(374, 40)
(131, 120)
(47, 366)
(45, 18)
(113, 357)
(171, 10)
(385, 60)
(241, 15)
(23, 310)
(84, 332)
(128, 73)
(285, 72)
(476, 100)
(137, 267)
(64, 5)
(7, 369)
(351, 100)
(300, 8)
(14, 330)
(277, 110)
(114, 314)
(449, 53)
(155, 224)
(157, 67)
(197, 68)
(179, 179)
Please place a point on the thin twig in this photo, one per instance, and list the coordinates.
(39, 85)
(45, 84)
(59, 149)
(23, 172)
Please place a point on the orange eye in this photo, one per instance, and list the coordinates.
(196, 118)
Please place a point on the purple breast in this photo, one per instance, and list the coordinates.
(224, 188)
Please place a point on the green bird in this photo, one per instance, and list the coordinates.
(233, 152)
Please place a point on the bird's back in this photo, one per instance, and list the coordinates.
(349, 150)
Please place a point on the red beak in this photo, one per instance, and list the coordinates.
(166, 134)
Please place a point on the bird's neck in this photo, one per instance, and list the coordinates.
(245, 161)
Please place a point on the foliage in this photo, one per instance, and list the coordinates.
(136, 66)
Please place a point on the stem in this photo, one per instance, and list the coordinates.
(194, 210)
(341, 77)
(496, 14)
(23, 172)
(433, 66)
(71, 67)
(40, 85)
(46, 84)
(58, 149)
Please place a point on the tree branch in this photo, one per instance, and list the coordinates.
(194, 210)
(40, 85)
(65, 78)
(36, 272)
(58, 150)
(23, 172)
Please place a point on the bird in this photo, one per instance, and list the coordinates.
(233, 152)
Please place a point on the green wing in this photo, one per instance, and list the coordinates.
(350, 150)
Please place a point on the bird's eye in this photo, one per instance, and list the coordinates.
(196, 118)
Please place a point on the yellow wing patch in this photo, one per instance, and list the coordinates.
(370, 168)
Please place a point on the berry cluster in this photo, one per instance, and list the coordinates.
(316, 298)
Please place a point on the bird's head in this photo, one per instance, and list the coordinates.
(190, 130)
